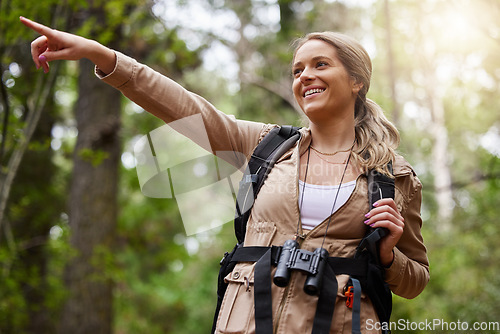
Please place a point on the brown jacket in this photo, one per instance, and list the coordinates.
(275, 214)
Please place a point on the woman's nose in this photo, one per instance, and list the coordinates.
(306, 75)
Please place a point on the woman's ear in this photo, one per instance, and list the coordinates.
(356, 87)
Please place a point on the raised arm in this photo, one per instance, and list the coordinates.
(153, 91)
(59, 45)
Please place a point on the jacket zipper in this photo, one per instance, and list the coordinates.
(300, 238)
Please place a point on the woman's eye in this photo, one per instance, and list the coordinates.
(297, 71)
(321, 63)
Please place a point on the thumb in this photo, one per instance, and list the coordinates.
(43, 63)
(50, 55)
(65, 53)
(43, 58)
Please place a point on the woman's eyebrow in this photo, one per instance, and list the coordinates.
(315, 58)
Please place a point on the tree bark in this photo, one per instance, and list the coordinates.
(437, 128)
(442, 172)
(390, 63)
(92, 206)
(440, 161)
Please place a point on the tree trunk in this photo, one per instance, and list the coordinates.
(391, 70)
(437, 128)
(440, 163)
(442, 172)
(92, 206)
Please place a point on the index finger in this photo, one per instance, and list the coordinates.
(386, 201)
(39, 28)
(390, 203)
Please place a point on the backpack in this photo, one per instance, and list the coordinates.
(366, 272)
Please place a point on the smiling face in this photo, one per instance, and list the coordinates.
(321, 85)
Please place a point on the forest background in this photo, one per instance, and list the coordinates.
(83, 250)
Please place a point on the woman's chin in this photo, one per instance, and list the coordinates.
(314, 113)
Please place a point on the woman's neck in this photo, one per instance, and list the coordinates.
(332, 137)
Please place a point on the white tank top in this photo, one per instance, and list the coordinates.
(318, 201)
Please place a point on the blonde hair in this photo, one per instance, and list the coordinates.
(377, 138)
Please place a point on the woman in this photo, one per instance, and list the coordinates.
(324, 173)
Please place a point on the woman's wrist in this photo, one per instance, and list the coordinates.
(387, 259)
(103, 57)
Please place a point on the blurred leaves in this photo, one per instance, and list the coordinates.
(165, 281)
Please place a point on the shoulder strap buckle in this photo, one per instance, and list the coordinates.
(249, 178)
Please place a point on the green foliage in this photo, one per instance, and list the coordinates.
(161, 284)
(165, 288)
(94, 157)
(11, 298)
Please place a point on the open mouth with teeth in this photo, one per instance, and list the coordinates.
(314, 91)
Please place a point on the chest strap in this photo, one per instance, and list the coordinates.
(265, 257)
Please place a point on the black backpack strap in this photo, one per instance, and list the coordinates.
(379, 186)
(268, 151)
(266, 257)
(262, 295)
(326, 302)
(356, 306)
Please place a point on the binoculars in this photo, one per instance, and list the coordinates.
(294, 258)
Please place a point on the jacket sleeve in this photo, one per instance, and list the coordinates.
(409, 273)
(169, 101)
